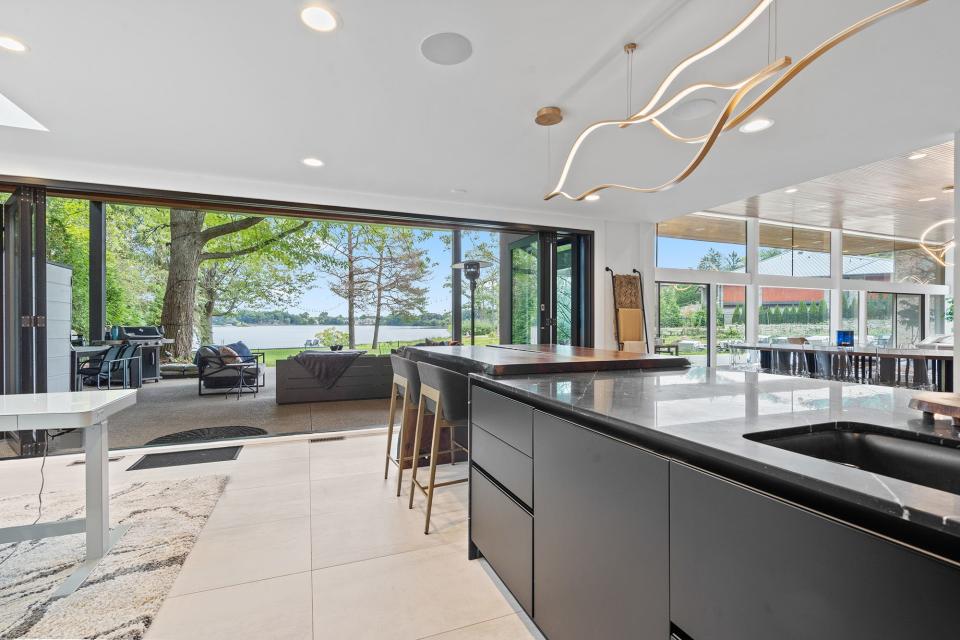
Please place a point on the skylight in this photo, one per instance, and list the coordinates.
(13, 116)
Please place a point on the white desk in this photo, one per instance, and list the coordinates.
(87, 410)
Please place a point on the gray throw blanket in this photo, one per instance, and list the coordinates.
(327, 366)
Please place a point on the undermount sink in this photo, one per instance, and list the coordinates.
(905, 457)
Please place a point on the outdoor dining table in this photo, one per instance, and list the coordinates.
(863, 355)
(86, 410)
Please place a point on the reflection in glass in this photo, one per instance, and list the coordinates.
(683, 319)
(702, 243)
(789, 251)
(850, 313)
(938, 315)
(525, 293)
(792, 313)
(730, 318)
(564, 293)
(880, 319)
(909, 326)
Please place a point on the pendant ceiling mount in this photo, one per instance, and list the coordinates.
(730, 117)
(549, 116)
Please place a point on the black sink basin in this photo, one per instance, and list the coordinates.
(929, 462)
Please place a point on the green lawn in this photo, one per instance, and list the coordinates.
(272, 355)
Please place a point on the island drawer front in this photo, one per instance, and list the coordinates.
(505, 464)
(507, 419)
(745, 566)
(503, 532)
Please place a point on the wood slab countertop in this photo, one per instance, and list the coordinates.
(520, 359)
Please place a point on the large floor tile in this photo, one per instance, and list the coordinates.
(405, 596)
(225, 557)
(278, 609)
(512, 627)
(280, 451)
(266, 473)
(242, 507)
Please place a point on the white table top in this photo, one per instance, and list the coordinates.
(62, 410)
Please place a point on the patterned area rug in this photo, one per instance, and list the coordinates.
(121, 597)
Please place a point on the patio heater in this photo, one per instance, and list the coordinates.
(471, 270)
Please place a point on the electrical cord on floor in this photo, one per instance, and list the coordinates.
(43, 481)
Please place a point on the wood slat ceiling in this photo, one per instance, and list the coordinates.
(882, 197)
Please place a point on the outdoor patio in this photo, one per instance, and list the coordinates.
(172, 405)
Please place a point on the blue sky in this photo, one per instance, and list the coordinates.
(318, 298)
(676, 253)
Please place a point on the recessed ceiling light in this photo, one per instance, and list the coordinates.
(319, 19)
(792, 190)
(458, 191)
(948, 189)
(446, 48)
(693, 109)
(698, 229)
(313, 162)
(12, 44)
(756, 125)
(929, 199)
(917, 156)
(592, 197)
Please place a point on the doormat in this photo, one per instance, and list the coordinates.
(208, 434)
(179, 458)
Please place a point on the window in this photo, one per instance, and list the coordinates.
(731, 319)
(850, 313)
(880, 319)
(702, 243)
(938, 315)
(888, 260)
(788, 313)
(683, 319)
(525, 292)
(894, 319)
(790, 251)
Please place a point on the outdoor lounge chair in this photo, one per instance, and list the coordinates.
(118, 364)
(220, 373)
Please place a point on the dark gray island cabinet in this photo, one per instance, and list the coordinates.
(602, 538)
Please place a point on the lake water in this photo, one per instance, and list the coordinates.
(275, 337)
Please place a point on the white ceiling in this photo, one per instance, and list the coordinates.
(226, 98)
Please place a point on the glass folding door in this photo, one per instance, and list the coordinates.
(683, 319)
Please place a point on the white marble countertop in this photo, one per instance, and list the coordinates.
(62, 410)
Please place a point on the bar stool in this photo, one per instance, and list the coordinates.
(823, 365)
(445, 393)
(921, 378)
(406, 381)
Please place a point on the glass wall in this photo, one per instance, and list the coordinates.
(683, 319)
(909, 329)
(702, 243)
(880, 327)
(564, 293)
(888, 260)
(937, 315)
(730, 318)
(525, 292)
(792, 313)
(789, 251)
(850, 313)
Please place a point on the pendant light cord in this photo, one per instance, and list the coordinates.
(773, 32)
(630, 82)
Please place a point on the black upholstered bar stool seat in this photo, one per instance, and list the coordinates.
(445, 393)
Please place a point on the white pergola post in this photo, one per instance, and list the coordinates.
(836, 278)
(751, 304)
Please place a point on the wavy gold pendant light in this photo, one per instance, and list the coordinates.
(650, 113)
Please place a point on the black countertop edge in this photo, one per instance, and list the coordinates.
(927, 532)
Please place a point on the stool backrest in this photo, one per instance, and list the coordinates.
(921, 375)
(408, 369)
(452, 387)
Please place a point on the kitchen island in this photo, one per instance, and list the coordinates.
(513, 359)
(715, 505)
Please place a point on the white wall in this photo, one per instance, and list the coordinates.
(623, 246)
(59, 292)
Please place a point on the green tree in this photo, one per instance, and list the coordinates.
(192, 236)
(712, 260)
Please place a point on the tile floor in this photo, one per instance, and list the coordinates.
(309, 541)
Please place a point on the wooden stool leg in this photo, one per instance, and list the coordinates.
(390, 417)
(435, 451)
(415, 456)
(403, 435)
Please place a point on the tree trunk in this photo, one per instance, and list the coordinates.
(378, 305)
(351, 292)
(179, 299)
